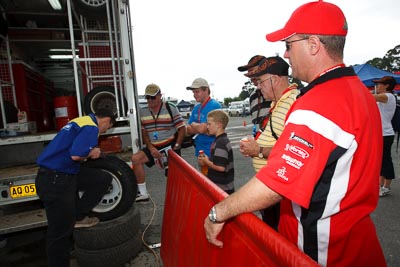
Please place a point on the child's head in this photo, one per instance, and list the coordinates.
(218, 116)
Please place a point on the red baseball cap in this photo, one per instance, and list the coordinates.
(313, 18)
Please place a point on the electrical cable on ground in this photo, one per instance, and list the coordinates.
(149, 247)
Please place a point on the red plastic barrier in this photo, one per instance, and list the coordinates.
(248, 241)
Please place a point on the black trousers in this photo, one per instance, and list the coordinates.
(59, 194)
(387, 169)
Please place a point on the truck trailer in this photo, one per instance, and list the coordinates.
(60, 60)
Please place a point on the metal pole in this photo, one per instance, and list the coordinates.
(129, 74)
(71, 31)
(11, 72)
(3, 112)
(117, 49)
(113, 61)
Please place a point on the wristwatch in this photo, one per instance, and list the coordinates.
(212, 216)
(260, 153)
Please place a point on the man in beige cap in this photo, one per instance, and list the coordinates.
(324, 166)
(197, 123)
(160, 123)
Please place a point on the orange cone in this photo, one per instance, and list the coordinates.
(244, 123)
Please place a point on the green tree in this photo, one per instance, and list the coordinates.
(390, 61)
(244, 94)
(227, 100)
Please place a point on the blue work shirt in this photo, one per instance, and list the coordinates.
(76, 138)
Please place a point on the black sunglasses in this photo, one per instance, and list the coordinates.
(288, 43)
(151, 97)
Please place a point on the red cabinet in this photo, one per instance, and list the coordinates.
(34, 94)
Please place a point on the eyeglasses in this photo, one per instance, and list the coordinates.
(288, 43)
(151, 97)
(260, 82)
(254, 81)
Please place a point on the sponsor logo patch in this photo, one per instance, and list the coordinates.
(67, 127)
(292, 161)
(282, 173)
(298, 151)
(300, 140)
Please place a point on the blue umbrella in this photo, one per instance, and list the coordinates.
(367, 73)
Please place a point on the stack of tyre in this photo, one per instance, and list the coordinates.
(117, 238)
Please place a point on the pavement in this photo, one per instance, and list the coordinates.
(27, 249)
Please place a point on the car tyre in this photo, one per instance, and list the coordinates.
(92, 9)
(110, 257)
(110, 233)
(102, 97)
(121, 195)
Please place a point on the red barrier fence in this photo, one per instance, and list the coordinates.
(248, 241)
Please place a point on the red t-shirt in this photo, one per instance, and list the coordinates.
(326, 165)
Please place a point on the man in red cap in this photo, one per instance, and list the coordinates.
(324, 167)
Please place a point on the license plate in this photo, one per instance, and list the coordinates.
(25, 190)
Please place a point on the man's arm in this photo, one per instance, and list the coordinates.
(195, 127)
(95, 153)
(179, 138)
(146, 140)
(253, 196)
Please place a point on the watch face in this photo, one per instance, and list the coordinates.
(211, 216)
(260, 155)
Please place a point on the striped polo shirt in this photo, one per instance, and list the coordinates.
(277, 118)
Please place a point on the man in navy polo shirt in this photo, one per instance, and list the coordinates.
(61, 176)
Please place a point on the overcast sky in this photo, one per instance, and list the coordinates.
(176, 41)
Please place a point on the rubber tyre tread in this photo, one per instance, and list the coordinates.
(87, 101)
(110, 233)
(90, 12)
(125, 175)
(110, 257)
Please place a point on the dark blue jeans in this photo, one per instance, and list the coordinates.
(59, 194)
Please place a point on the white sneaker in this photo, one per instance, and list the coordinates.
(384, 191)
(142, 198)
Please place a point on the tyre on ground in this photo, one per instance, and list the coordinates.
(109, 234)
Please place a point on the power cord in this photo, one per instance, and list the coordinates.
(150, 247)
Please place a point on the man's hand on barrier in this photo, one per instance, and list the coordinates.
(212, 231)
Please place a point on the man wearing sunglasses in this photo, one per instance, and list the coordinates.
(272, 78)
(160, 123)
(259, 106)
(324, 167)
